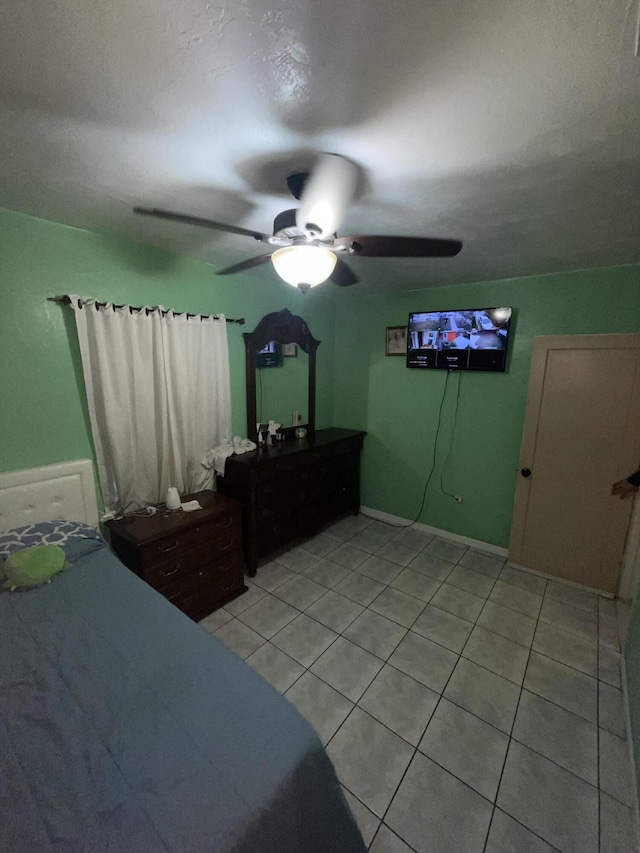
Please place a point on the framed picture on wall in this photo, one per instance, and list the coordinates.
(290, 350)
(396, 340)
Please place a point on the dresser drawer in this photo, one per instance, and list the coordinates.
(172, 548)
(272, 535)
(315, 515)
(352, 445)
(276, 510)
(286, 485)
(345, 480)
(175, 589)
(200, 602)
(180, 563)
(217, 536)
(281, 467)
(312, 517)
(211, 574)
(327, 478)
(277, 486)
(331, 469)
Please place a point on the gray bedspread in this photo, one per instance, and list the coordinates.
(124, 726)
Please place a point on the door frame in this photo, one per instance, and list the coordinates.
(630, 575)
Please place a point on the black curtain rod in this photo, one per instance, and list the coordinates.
(65, 300)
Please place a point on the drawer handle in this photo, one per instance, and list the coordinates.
(175, 595)
(228, 586)
(228, 565)
(170, 548)
(172, 572)
(227, 523)
(227, 546)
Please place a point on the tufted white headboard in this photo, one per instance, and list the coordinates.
(48, 493)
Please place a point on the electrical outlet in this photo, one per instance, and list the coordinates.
(458, 499)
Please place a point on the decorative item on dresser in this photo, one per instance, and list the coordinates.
(193, 558)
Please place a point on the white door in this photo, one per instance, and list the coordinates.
(581, 434)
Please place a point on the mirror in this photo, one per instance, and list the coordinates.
(286, 382)
(283, 388)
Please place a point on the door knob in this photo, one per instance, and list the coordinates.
(526, 472)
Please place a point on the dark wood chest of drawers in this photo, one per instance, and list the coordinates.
(293, 489)
(193, 558)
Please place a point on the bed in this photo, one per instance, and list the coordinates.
(124, 726)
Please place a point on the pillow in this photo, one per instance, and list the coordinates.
(60, 533)
(33, 566)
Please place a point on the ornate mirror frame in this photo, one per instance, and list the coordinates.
(284, 328)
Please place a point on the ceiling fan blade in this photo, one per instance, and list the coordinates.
(325, 196)
(245, 265)
(342, 275)
(196, 220)
(381, 246)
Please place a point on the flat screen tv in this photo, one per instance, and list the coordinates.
(464, 339)
(270, 355)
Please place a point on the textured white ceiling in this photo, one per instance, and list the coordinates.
(510, 124)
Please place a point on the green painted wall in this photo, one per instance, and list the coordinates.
(43, 417)
(399, 407)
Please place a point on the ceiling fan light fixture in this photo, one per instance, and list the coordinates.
(303, 264)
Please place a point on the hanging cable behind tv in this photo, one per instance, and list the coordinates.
(435, 449)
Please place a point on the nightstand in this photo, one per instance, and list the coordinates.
(193, 558)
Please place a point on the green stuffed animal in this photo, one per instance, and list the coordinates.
(33, 566)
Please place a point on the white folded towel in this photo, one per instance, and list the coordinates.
(217, 457)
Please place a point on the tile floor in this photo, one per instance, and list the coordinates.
(466, 706)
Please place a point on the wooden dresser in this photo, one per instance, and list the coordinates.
(193, 558)
(292, 489)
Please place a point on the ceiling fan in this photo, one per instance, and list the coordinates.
(306, 246)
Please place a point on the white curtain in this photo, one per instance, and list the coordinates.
(159, 398)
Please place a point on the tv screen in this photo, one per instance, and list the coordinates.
(468, 339)
(269, 356)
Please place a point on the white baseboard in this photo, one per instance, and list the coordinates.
(557, 579)
(632, 757)
(477, 544)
